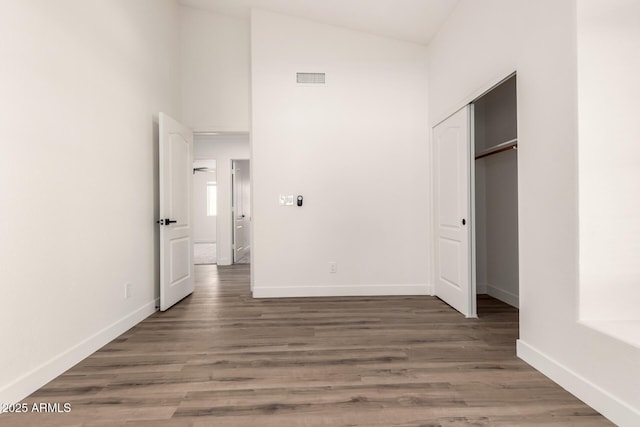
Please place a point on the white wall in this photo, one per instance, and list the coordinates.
(481, 43)
(608, 69)
(215, 71)
(356, 149)
(82, 83)
(222, 148)
(204, 226)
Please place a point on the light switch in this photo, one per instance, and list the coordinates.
(289, 201)
(281, 200)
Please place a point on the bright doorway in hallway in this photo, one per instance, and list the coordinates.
(205, 212)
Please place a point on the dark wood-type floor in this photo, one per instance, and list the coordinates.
(221, 358)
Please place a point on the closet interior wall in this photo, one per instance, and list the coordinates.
(496, 193)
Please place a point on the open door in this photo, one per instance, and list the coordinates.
(451, 154)
(176, 246)
(240, 205)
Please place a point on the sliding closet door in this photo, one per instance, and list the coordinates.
(451, 154)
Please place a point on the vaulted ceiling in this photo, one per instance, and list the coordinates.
(410, 20)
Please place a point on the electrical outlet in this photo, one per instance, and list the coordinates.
(333, 267)
(128, 290)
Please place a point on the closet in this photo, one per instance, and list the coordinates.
(495, 140)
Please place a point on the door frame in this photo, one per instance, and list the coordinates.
(472, 212)
(233, 211)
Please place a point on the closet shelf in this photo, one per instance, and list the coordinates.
(512, 144)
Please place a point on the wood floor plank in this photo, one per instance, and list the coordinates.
(222, 358)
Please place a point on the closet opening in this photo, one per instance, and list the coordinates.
(494, 191)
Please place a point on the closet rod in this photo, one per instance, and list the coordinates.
(513, 144)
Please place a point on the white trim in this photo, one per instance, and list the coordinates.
(31, 381)
(341, 291)
(504, 296)
(431, 215)
(617, 411)
(471, 212)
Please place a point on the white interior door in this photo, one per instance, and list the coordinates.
(176, 217)
(451, 154)
(241, 209)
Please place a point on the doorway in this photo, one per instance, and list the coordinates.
(205, 212)
(495, 165)
(476, 201)
(241, 211)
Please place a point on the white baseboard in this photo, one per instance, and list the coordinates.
(41, 375)
(599, 399)
(504, 296)
(341, 291)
